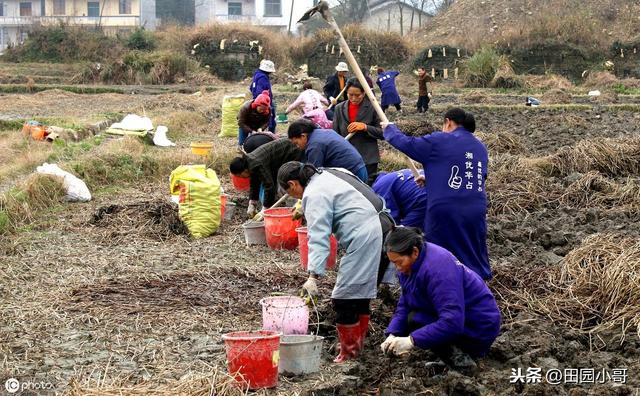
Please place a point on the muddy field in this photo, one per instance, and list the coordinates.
(110, 297)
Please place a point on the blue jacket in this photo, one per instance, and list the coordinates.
(450, 304)
(403, 197)
(325, 148)
(387, 83)
(455, 166)
(260, 83)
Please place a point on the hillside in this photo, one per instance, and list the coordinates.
(593, 24)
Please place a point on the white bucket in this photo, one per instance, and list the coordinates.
(254, 233)
(229, 210)
(300, 354)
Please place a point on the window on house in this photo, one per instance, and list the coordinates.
(235, 8)
(125, 6)
(25, 9)
(272, 8)
(42, 13)
(1, 9)
(93, 9)
(59, 7)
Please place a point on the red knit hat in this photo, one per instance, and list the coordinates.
(262, 100)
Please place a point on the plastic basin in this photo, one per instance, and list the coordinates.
(240, 183)
(280, 228)
(201, 148)
(287, 314)
(253, 357)
(303, 245)
(300, 354)
(254, 233)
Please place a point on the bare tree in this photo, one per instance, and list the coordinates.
(350, 11)
(441, 6)
(401, 7)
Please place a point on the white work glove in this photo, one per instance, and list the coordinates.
(429, 95)
(333, 100)
(387, 343)
(311, 287)
(401, 345)
(252, 210)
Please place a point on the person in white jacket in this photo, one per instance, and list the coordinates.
(331, 205)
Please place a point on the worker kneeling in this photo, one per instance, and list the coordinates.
(331, 205)
(444, 306)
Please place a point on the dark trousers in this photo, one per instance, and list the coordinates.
(348, 311)
(372, 172)
(329, 114)
(397, 106)
(423, 103)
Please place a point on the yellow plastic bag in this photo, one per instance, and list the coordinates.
(230, 107)
(199, 203)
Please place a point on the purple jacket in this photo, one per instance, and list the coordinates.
(387, 83)
(448, 298)
(455, 166)
(403, 197)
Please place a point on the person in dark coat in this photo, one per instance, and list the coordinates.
(260, 83)
(387, 83)
(358, 116)
(256, 140)
(325, 148)
(254, 115)
(444, 306)
(334, 85)
(455, 164)
(406, 200)
(425, 91)
(262, 167)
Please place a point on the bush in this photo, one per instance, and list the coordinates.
(481, 68)
(62, 44)
(138, 67)
(141, 40)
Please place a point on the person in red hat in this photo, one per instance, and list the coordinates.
(254, 116)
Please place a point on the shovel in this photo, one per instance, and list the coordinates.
(323, 9)
(339, 95)
(260, 216)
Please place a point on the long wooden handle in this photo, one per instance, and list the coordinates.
(339, 95)
(260, 215)
(363, 81)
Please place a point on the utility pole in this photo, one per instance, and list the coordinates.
(291, 16)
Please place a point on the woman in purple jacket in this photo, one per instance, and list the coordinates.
(444, 306)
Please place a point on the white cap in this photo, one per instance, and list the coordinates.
(342, 67)
(267, 66)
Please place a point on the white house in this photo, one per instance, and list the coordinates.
(278, 14)
(17, 17)
(397, 16)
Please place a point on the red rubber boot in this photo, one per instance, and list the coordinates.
(350, 340)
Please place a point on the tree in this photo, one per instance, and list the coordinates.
(441, 6)
(401, 7)
(350, 11)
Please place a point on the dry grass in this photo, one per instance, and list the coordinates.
(505, 77)
(611, 157)
(548, 81)
(597, 289)
(518, 185)
(502, 142)
(216, 383)
(556, 95)
(595, 190)
(18, 154)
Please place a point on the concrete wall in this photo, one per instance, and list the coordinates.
(387, 19)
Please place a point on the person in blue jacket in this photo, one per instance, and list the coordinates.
(387, 83)
(455, 164)
(261, 82)
(444, 306)
(406, 200)
(324, 148)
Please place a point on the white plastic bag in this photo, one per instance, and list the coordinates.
(160, 137)
(77, 190)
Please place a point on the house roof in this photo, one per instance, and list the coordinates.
(378, 5)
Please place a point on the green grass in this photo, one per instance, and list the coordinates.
(64, 151)
(622, 89)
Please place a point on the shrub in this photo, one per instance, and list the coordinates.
(479, 70)
(141, 40)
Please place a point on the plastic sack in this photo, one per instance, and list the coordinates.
(199, 198)
(77, 190)
(230, 107)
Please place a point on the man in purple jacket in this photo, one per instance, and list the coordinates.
(387, 83)
(406, 200)
(444, 306)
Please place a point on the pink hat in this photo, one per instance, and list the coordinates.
(262, 100)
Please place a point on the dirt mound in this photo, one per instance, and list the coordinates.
(557, 96)
(155, 219)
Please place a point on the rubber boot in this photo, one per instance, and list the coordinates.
(349, 337)
(364, 327)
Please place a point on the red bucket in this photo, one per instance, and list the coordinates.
(223, 204)
(303, 244)
(280, 228)
(252, 357)
(240, 183)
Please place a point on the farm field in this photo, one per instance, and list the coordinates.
(110, 297)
